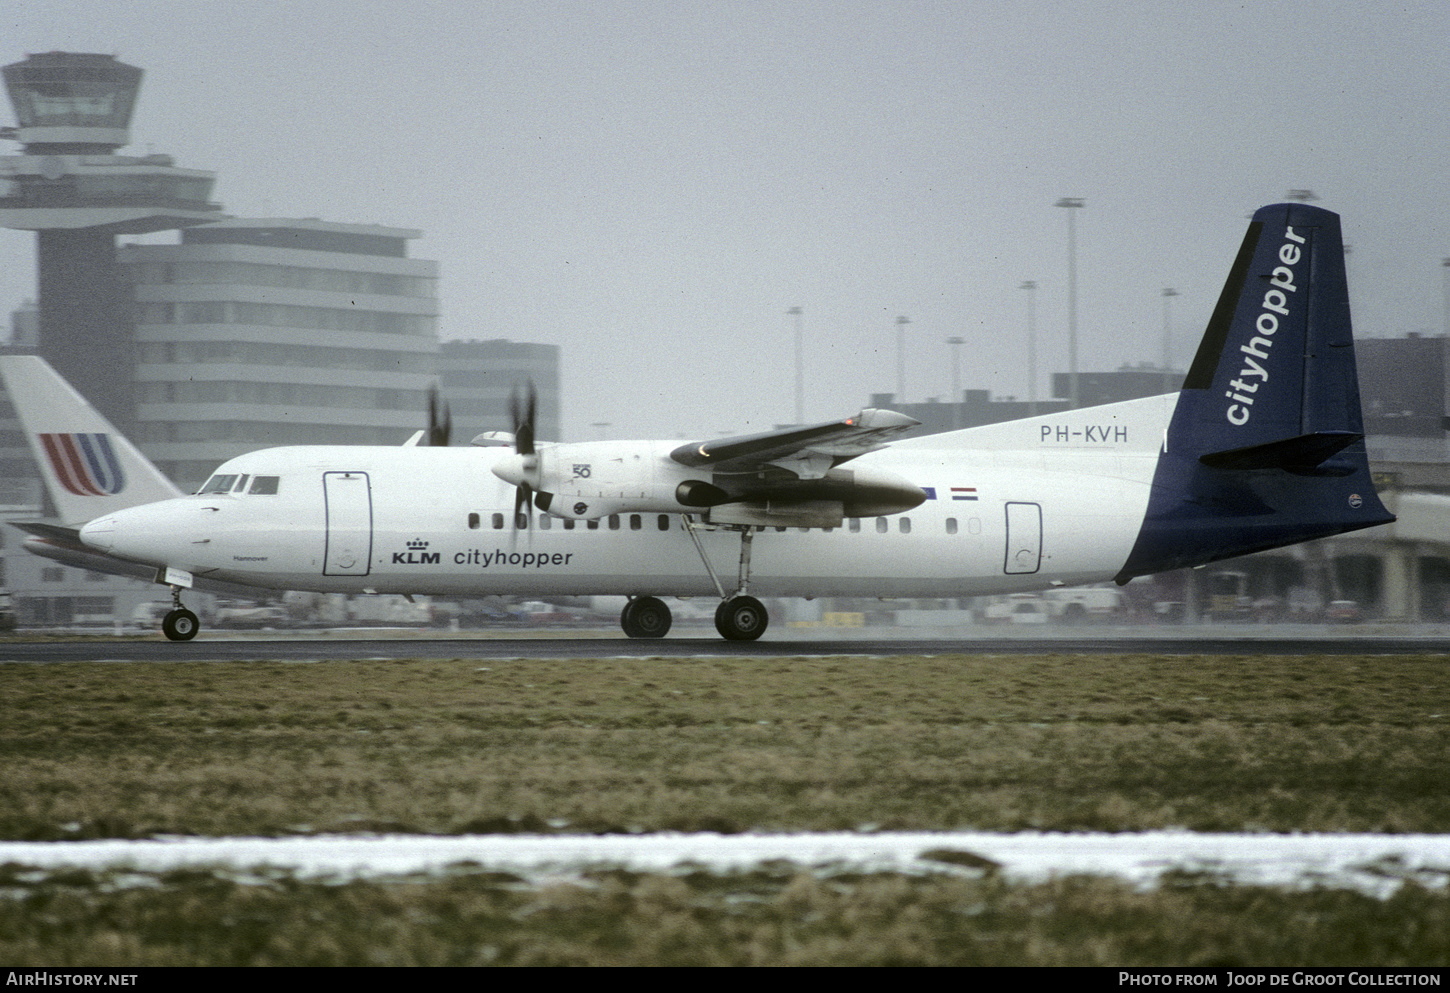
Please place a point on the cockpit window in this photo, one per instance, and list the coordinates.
(218, 484)
(241, 486)
(265, 485)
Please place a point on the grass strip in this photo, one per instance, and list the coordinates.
(775, 915)
(1104, 743)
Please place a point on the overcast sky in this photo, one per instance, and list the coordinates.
(652, 185)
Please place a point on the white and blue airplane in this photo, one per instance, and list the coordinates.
(1263, 447)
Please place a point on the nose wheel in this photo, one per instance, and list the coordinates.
(179, 624)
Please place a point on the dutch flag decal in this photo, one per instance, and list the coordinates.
(85, 464)
(964, 493)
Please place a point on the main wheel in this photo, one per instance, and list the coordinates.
(741, 618)
(180, 625)
(646, 617)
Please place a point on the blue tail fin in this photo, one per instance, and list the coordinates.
(1266, 444)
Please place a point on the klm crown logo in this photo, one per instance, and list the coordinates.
(416, 554)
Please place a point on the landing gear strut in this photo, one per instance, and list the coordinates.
(646, 617)
(740, 617)
(179, 624)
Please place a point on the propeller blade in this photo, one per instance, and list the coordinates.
(440, 419)
(523, 411)
(523, 498)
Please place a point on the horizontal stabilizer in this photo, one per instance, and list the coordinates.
(54, 532)
(1303, 454)
(78, 556)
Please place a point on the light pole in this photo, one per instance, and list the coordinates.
(1445, 264)
(1168, 294)
(1072, 202)
(800, 403)
(1031, 287)
(901, 323)
(956, 344)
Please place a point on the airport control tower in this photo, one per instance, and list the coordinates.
(71, 188)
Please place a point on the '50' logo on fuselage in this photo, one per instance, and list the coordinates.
(582, 470)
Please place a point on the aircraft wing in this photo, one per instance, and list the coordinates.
(806, 451)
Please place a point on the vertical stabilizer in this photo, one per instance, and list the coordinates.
(1277, 360)
(89, 468)
(1266, 444)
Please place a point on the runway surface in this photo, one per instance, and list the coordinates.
(1373, 864)
(219, 647)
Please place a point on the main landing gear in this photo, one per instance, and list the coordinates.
(179, 624)
(646, 617)
(740, 617)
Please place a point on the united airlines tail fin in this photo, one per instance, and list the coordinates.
(89, 468)
(1266, 444)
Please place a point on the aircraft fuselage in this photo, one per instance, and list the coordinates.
(1061, 505)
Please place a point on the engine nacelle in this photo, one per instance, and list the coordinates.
(589, 480)
(698, 493)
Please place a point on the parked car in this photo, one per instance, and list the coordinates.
(1017, 608)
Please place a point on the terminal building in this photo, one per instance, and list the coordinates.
(478, 378)
(242, 334)
(256, 333)
(975, 408)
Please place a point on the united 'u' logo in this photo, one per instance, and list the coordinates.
(85, 464)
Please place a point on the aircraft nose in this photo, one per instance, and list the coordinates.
(149, 533)
(100, 533)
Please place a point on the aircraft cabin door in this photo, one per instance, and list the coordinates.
(349, 550)
(1024, 538)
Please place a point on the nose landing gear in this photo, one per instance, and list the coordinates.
(179, 624)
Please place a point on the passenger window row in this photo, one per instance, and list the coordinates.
(545, 522)
(614, 522)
